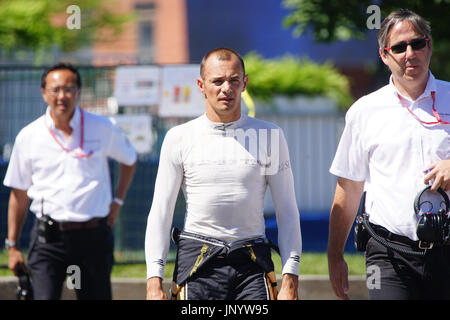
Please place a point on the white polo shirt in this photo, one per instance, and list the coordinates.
(61, 185)
(224, 171)
(384, 145)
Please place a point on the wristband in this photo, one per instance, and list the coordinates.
(118, 201)
(9, 244)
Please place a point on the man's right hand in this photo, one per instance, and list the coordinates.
(338, 270)
(343, 212)
(154, 289)
(15, 259)
(17, 211)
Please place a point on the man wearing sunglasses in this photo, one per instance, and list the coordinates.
(396, 141)
(59, 161)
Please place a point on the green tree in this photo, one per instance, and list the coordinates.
(331, 20)
(39, 25)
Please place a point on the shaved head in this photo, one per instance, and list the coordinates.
(223, 54)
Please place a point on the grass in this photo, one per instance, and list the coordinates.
(311, 264)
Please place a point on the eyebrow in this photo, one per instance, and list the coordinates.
(237, 76)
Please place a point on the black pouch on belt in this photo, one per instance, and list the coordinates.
(361, 234)
(47, 230)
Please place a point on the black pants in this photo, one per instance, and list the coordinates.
(395, 276)
(90, 250)
(209, 269)
(228, 278)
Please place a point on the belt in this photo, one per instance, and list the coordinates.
(231, 246)
(385, 233)
(90, 224)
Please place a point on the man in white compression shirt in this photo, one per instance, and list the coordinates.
(224, 161)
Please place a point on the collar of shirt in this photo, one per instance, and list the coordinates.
(431, 86)
(220, 126)
(74, 122)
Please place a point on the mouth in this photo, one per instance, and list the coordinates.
(61, 106)
(411, 67)
(226, 100)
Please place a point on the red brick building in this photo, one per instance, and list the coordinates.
(158, 35)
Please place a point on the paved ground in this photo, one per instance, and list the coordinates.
(310, 288)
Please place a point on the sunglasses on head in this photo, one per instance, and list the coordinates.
(416, 44)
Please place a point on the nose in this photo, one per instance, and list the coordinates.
(226, 87)
(60, 93)
(409, 51)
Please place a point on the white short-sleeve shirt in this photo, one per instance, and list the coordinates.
(61, 185)
(385, 146)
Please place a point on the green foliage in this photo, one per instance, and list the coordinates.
(291, 76)
(331, 20)
(30, 24)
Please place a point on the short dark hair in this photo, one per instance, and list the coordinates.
(61, 66)
(420, 25)
(222, 54)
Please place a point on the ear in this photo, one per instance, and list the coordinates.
(44, 95)
(383, 55)
(78, 95)
(245, 83)
(201, 85)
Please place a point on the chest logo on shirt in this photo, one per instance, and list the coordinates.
(262, 144)
(239, 147)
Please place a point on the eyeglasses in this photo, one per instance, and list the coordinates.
(65, 90)
(416, 44)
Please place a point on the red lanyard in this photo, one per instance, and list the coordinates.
(78, 153)
(436, 114)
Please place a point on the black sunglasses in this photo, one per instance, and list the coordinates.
(416, 44)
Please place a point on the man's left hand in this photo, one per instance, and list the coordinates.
(440, 173)
(289, 287)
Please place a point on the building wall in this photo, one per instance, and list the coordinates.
(169, 26)
(255, 25)
(121, 49)
(171, 35)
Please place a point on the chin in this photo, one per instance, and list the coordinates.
(414, 76)
(62, 111)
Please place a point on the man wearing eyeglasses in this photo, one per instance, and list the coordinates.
(396, 141)
(60, 162)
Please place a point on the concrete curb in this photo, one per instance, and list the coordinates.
(311, 287)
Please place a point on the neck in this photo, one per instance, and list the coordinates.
(216, 117)
(411, 89)
(63, 124)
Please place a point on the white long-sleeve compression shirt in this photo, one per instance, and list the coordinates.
(224, 170)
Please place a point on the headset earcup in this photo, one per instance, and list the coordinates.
(417, 200)
(441, 192)
(446, 199)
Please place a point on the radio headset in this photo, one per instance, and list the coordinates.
(363, 231)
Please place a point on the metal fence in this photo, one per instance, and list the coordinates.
(312, 139)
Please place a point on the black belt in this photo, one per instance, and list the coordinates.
(176, 234)
(385, 233)
(231, 246)
(90, 224)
